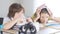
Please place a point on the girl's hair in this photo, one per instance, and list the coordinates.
(15, 7)
(43, 10)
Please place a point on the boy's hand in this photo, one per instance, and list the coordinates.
(38, 10)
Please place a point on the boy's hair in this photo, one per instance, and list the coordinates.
(43, 10)
(15, 7)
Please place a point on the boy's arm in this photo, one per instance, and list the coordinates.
(57, 19)
(38, 10)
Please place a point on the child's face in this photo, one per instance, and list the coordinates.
(44, 17)
(19, 14)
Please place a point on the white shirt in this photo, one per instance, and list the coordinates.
(6, 19)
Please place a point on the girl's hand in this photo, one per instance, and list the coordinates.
(19, 18)
(29, 19)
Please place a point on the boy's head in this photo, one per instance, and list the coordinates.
(44, 15)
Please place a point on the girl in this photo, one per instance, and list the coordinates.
(16, 20)
(15, 16)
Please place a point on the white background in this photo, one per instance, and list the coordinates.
(30, 6)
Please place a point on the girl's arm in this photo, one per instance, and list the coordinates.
(9, 24)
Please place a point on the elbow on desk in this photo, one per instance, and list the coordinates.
(6, 28)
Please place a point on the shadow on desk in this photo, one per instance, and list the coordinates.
(10, 31)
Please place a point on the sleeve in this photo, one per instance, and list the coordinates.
(6, 19)
(33, 16)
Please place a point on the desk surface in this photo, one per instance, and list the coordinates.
(10, 31)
